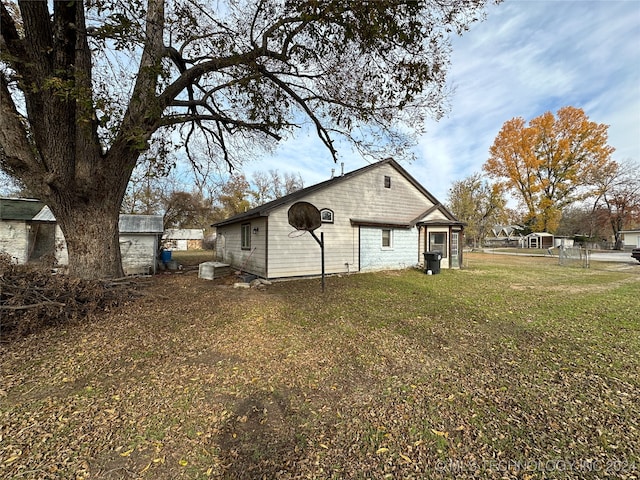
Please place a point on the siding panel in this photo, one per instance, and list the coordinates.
(138, 253)
(228, 247)
(361, 197)
(14, 239)
(403, 252)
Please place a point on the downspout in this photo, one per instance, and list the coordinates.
(461, 243)
(266, 248)
(359, 248)
(450, 239)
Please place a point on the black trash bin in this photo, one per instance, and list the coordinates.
(432, 262)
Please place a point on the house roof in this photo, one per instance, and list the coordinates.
(506, 229)
(540, 234)
(44, 215)
(30, 209)
(140, 224)
(265, 209)
(126, 223)
(19, 208)
(183, 234)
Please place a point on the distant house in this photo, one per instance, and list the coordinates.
(29, 239)
(504, 236)
(183, 239)
(564, 241)
(630, 239)
(375, 218)
(538, 240)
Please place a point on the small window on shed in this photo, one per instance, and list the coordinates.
(387, 181)
(326, 215)
(245, 236)
(386, 238)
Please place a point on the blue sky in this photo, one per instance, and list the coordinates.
(528, 57)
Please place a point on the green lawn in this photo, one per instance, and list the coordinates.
(514, 367)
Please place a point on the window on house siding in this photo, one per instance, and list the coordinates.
(245, 236)
(387, 181)
(387, 238)
(326, 215)
(438, 243)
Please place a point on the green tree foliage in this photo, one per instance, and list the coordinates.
(187, 210)
(477, 203)
(86, 87)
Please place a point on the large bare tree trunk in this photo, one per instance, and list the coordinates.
(60, 156)
(92, 239)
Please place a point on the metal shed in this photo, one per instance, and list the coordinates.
(28, 230)
(139, 242)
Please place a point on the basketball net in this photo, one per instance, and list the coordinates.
(297, 233)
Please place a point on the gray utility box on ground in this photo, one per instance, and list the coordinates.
(211, 270)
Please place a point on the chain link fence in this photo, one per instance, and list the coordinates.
(574, 256)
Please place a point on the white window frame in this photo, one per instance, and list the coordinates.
(442, 250)
(382, 238)
(245, 236)
(326, 212)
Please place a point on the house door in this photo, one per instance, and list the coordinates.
(455, 258)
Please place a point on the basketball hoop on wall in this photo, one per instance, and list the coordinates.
(305, 217)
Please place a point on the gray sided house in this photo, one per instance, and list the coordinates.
(504, 236)
(375, 218)
(37, 234)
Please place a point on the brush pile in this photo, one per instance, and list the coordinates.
(33, 297)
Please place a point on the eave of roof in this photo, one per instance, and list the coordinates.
(437, 207)
(380, 223)
(438, 222)
(19, 208)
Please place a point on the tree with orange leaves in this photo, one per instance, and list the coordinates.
(549, 163)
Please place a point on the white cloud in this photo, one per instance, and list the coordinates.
(530, 57)
(527, 58)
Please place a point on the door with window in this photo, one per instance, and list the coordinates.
(455, 257)
(438, 243)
